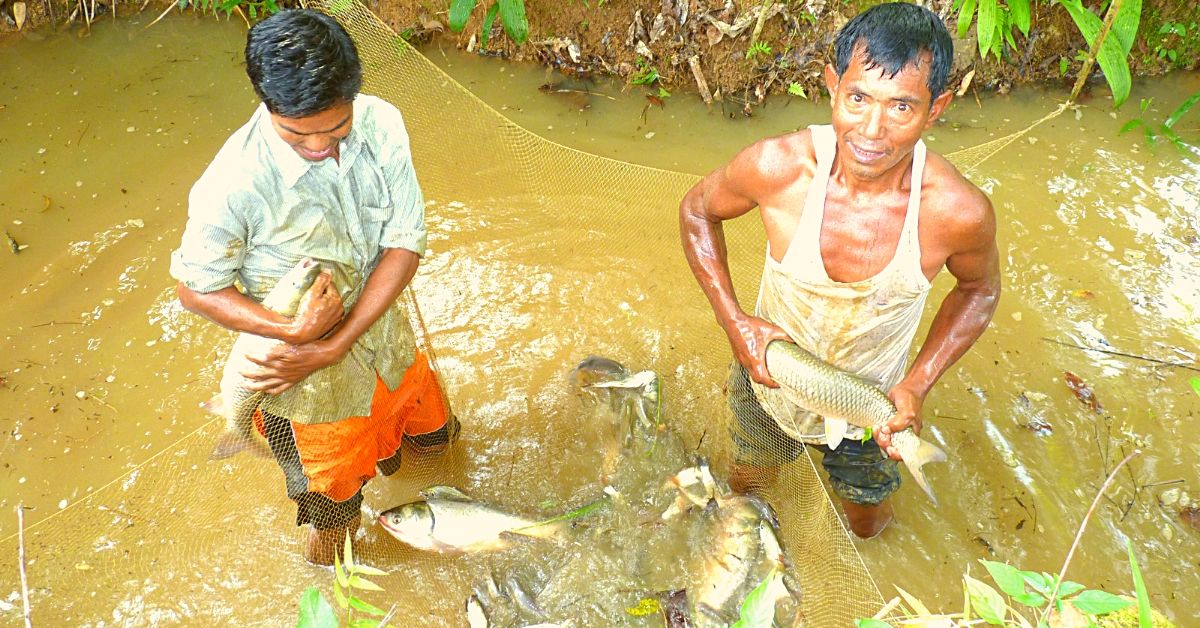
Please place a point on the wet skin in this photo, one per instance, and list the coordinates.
(878, 120)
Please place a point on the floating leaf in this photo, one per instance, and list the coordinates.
(315, 611)
(913, 603)
(1181, 110)
(1099, 602)
(1088, 294)
(986, 601)
(645, 606)
(1082, 391)
(871, 623)
(1195, 382)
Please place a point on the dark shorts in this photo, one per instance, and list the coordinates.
(859, 472)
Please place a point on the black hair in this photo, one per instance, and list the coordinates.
(893, 36)
(302, 62)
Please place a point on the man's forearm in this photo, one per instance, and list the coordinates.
(233, 310)
(960, 320)
(394, 272)
(704, 247)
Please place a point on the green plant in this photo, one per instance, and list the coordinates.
(646, 74)
(994, 27)
(1118, 29)
(758, 48)
(796, 89)
(315, 611)
(1167, 128)
(1175, 31)
(511, 12)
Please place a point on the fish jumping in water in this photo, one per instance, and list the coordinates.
(237, 403)
(819, 387)
(631, 400)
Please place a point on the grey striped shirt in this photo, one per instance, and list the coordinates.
(260, 208)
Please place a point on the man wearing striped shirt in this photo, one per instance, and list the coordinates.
(323, 172)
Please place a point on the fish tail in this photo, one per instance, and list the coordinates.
(926, 452)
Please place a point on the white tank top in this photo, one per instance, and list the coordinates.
(864, 327)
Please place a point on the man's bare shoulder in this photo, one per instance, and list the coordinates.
(959, 208)
(777, 161)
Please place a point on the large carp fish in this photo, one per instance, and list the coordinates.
(821, 388)
(237, 403)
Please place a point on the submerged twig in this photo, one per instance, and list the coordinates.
(1135, 356)
(1079, 533)
(21, 559)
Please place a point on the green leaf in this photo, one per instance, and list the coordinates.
(986, 602)
(1094, 602)
(488, 20)
(1020, 15)
(1179, 112)
(340, 6)
(758, 609)
(1069, 588)
(364, 623)
(358, 582)
(1063, 66)
(338, 572)
(512, 16)
(1145, 620)
(645, 606)
(340, 596)
(1111, 56)
(985, 30)
(1125, 25)
(1030, 599)
(1131, 125)
(368, 570)
(871, 623)
(360, 605)
(460, 12)
(964, 18)
(315, 611)
(1041, 582)
(1007, 577)
(348, 550)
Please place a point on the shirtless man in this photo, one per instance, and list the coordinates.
(859, 218)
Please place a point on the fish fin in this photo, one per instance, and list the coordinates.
(230, 444)
(926, 452)
(445, 492)
(835, 431)
(216, 405)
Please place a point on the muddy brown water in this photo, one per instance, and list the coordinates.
(103, 136)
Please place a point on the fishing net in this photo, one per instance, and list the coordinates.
(534, 228)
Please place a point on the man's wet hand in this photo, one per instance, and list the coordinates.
(749, 337)
(319, 311)
(284, 365)
(908, 414)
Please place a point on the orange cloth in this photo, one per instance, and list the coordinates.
(339, 457)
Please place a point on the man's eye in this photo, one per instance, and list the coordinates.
(902, 107)
(856, 97)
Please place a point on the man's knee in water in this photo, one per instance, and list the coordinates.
(867, 521)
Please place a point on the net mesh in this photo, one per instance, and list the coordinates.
(181, 538)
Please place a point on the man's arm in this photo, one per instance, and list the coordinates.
(287, 364)
(960, 320)
(319, 311)
(725, 194)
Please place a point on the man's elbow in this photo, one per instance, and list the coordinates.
(187, 297)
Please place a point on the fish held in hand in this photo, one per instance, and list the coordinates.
(821, 388)
(236, 402)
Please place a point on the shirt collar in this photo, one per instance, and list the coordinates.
(291, 165)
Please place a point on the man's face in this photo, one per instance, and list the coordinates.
(316, 137)
(877, 119)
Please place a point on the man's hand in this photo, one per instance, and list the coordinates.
(908, 414)
(286, 364)
(320, 310)
(749, 337)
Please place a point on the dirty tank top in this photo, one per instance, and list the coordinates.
(864, 327)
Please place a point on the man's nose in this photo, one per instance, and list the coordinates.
(872, 124)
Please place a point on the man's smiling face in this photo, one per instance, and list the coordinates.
(316, 137)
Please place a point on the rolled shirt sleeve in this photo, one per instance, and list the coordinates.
(213, 247)
(406, 228)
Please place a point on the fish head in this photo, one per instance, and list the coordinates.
(594, 370)
(410, 523)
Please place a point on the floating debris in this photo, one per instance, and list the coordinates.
(12, 243)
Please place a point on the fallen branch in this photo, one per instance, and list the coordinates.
(1182, 365)
(701, 84)
(1079, 533)
(21, 559)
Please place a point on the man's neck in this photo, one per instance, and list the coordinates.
(892, 180)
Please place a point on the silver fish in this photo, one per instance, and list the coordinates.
(447, 520)
(235, 402)
(630, 401)
(743, 550)
(819, 387)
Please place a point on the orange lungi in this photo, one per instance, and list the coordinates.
(330, 462)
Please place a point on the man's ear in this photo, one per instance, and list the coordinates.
(831, 80)
(938, 107)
